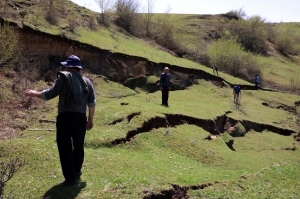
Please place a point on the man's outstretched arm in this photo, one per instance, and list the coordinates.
(33, 93)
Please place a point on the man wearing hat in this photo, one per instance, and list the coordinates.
(76, 93)
(164, 84)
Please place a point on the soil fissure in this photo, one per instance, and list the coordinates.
(216, 127)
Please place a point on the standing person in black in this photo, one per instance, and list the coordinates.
(164, 84)
(215, 69)
(76, 93)
(236, 94)
(256, 81)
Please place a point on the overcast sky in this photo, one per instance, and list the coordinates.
(271, 10)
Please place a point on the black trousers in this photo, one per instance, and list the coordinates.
(71, 129)
(165, 95)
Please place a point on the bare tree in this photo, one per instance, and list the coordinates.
(126, 11)
(150, 8)
(104, 6)
(28, 69)
(54, 10)
(7, 171)
(236, 14)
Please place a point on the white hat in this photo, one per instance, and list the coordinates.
(166, 68)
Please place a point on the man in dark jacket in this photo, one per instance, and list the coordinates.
(215, 69)
(256, 81)
(164, 84)
(76, 93)
(236, 94)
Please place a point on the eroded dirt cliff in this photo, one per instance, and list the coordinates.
(52, 49)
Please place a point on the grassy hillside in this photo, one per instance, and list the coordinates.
(184, 162)
(152, 161)
(193, 33)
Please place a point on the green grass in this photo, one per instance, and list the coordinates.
(152, 161)
(116, 41)
(279, 70)
(191, 31)
(264, 183)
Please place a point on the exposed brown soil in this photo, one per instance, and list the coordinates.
(176, 192)
(129, 118)
(116, 121)
(155, 122)
(297, 137)
(276, 105)
(294, 148)
(16, 116)
(132, 115)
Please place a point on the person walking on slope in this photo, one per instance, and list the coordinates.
(236, 93)
(76, 93)
(164, 84)
(215, 69)
(256, 81)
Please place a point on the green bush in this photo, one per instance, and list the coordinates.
(251, 33)
(105, 15)
(164, 33)
(271, 30)
(230, 57)
(54, 10)
(287, 42)
(8, 46)
(295, 82)
(126, 11)
(52, 17)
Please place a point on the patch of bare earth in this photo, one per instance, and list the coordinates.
(176, 192)
(16, 116)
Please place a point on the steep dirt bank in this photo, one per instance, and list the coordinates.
(52, 49)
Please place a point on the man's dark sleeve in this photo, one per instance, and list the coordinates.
(91, 101)
(161, 80)
(54, 90)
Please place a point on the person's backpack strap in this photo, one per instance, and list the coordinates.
(66, 92)
(77, 86)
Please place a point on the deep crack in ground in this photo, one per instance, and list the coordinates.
(214, 127)
(277, 105)
(177, 192)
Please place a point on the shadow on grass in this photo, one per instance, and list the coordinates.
(64, 192)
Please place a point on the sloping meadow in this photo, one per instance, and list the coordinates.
(164, 153)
